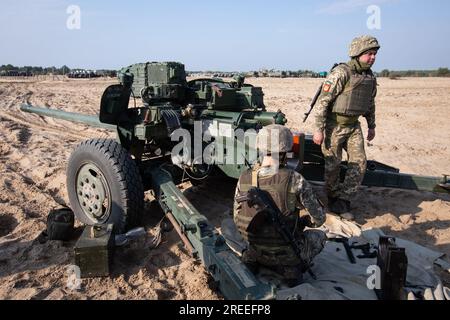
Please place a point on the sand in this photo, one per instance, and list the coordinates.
(412, 134)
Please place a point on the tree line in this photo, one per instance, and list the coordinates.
(33, 70)
(441, 72)
(36, 70)
(64, 70)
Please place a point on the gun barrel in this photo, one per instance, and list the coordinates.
(69, 116)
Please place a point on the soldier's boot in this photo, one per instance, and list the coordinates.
(253, 267)
(291, 283)
(293, 275)
(347, 216)
(250, 261)
(331, 201)
(342, 208)
(337, 205)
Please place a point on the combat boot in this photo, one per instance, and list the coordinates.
(344, 208)
(250, 260)
(331, 201)
(291, 283)
(253, 267)
(293, 275)
(339, 206)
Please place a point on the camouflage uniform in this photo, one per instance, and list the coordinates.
(343, 131)
(291, 192)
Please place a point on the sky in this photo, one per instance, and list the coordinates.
(228, 35)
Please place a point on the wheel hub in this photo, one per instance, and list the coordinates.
(93, 193)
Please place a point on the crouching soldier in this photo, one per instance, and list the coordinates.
(290, 192)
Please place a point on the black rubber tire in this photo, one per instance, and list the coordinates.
(122, 178)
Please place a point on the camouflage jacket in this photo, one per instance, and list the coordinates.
(333, 86)
(304, 194)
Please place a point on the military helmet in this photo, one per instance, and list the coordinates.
(265, 142)
(362, 44)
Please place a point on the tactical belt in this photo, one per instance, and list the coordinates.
(344, 120)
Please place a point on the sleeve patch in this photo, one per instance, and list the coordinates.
(327, 86)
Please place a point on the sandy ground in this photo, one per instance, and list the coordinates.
(412, 134)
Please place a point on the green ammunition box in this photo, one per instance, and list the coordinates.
(157, 80)
(250, 98)
(223, 99)
(94, 251)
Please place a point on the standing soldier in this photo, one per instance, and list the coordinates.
(290, 192)
(348, 93)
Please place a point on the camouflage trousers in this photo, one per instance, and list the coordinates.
(350, 139)
(284, 261)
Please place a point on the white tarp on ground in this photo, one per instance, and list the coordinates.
(337, 278)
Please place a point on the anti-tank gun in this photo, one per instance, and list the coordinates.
(171, 107)
(106, 179)
(171, 102)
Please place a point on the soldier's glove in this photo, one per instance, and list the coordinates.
(306, 221)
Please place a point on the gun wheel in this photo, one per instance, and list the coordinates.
(104, 185)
